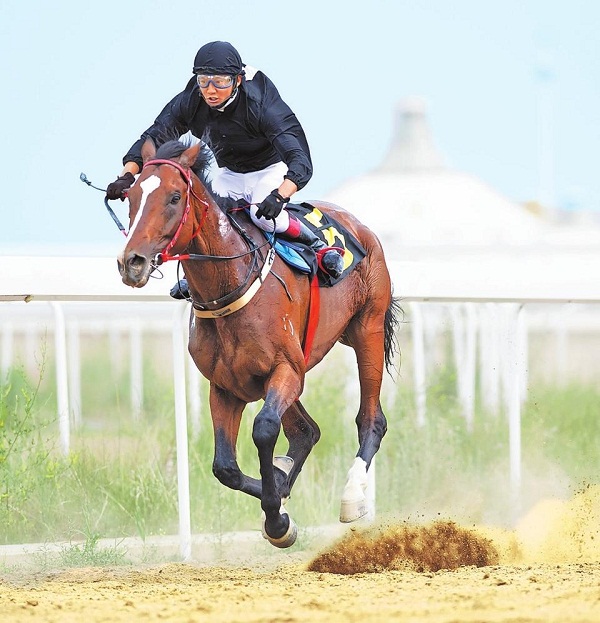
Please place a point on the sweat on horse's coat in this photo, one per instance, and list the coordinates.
(253, 354)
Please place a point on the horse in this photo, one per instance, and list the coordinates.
(248, 324)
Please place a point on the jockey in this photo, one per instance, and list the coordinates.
(258, 143)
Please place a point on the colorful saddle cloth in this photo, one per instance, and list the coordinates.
(331, 232)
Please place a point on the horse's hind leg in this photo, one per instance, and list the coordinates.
(302, 433)
(366, 336)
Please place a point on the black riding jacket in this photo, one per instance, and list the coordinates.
(257, 129)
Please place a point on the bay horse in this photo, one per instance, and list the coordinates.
(248, 321)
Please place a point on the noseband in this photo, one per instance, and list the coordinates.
(185, 173)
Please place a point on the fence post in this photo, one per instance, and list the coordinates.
(418, 340)
(514, 367)
(181, 435)
(136, 369)
(62, 385)
(74, 371)
(6, 360)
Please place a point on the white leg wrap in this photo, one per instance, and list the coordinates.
(285, 464)
(354, 501)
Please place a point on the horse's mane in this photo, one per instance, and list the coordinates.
(172, 149)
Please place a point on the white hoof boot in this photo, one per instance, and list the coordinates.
(354, 500)
(288, 539)
(285, 464)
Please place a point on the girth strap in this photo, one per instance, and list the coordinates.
(314, 304)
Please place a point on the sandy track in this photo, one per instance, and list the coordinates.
(184, 593)
(548, 571)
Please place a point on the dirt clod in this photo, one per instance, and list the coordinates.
(442, 545)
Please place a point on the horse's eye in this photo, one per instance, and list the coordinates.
(175, 198)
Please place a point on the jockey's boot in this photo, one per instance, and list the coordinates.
(180, 290)
(329, 258)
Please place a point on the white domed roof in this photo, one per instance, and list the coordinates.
(414, 199)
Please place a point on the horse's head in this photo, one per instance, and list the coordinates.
(160, 219)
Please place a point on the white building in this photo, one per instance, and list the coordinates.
(417, 205)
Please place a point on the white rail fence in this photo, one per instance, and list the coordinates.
(485, 300)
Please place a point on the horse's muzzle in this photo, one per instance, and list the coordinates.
(134, 269)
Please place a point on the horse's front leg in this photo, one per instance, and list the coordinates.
(226, 412)
(283, 388)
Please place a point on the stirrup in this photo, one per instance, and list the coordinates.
(180, 290)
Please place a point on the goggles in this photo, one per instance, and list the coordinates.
(219, 82)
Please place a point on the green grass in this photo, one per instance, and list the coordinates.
(120, 478)
(442, 469)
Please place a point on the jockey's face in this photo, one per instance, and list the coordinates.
(215, 97)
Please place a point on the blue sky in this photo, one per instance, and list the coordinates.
(81, 81)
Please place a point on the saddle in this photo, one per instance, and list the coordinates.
(332, 233)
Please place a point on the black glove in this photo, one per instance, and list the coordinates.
(116, 189)
(272, 205)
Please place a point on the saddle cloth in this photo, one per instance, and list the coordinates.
(330, 232)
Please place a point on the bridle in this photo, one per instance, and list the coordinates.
(231, 302)
(227, 304)
(165, 255)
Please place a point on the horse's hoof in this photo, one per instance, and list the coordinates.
(288, 539)
(351, 510)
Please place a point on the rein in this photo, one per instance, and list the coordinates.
(227, 302)
(115, 218)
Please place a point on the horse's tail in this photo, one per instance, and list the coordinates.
(392, 320)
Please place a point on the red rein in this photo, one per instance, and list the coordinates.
(185, 173)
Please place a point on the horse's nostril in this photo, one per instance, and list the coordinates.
(133, 267)
(137, 262)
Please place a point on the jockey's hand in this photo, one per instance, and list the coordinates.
(117, 189)
(272, 205)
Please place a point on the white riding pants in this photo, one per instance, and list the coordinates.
(253, 187)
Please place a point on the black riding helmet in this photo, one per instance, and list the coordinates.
(218, 58)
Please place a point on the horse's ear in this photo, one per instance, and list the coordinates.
(148, 150)
(190, 155)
